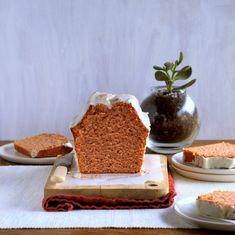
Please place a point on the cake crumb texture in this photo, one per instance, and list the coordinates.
(110, 140)
(220, 198)
(43, 145)
(223, 150)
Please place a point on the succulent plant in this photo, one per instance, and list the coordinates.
(169, 73)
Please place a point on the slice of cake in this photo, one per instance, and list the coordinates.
(218, 204)
(110, 136)
(43, 145)
(220, 155)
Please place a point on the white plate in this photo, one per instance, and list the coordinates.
(186, 208)
(205, 177)
(177, 161)
(9, 153)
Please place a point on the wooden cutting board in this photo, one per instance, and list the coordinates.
(152, 183)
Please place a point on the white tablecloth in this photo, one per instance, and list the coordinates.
(21, 194)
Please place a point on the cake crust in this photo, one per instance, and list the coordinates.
(43, 145)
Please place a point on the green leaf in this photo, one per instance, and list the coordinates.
(157, 67)
(184, 73)
(161, 76)
(185, 85)
(170, 73)
(169, 65)
(180, 57)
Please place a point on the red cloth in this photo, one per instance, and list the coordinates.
(75, 202)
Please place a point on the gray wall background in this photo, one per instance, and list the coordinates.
(53, 54)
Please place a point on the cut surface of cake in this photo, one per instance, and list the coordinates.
(218, 204)
(110, 136)
(43, 145)
(213, 156)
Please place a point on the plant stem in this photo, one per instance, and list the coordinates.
(169, 83)
(172, 78)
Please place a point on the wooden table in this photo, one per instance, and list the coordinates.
(111, 231)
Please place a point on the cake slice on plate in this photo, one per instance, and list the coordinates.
(213, 156)
(43, 145)
(218, 204)
(110, 136)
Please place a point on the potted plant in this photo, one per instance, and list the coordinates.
(173, 114)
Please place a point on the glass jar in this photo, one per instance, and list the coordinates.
(174, 120)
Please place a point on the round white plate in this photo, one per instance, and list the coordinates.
(205, 177)
(186, 208)
(177, 161)
(9, 153)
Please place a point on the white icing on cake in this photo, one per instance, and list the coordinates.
(34, 154)
(68, 145)
(110, 99)
(217, 211)
(214, 162)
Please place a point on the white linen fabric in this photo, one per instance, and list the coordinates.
(21, 194)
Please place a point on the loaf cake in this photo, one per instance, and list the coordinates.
(110, 135)
(218, 204)
(220, 155)
(43, 145)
